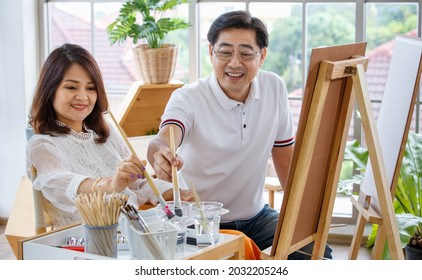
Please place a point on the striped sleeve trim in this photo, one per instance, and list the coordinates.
(175, 122)
(284, 143)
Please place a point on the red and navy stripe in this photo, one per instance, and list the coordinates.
(175, 122)
(284, 143)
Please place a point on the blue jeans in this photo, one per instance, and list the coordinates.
(261, 229)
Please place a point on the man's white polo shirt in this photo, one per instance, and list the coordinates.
(226, 144)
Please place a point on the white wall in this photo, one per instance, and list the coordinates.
(19, 68)
(18, 55)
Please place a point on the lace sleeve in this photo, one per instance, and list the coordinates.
(145, 194)
(54, 178)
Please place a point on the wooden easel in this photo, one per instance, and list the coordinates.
(382, 213)
(294, 231)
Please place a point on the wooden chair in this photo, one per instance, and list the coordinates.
(42, 219)
(27, 217)
(21, 222)
(272, 185)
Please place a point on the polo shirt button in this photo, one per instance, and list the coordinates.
(244, 126)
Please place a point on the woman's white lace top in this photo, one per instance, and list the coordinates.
(64, 161)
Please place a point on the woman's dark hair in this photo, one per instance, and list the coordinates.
(241, 20)
(42, 114)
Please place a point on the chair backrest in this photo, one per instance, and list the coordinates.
(42, 220)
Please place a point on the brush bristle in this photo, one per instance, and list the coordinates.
(178, 211)
(168, 212)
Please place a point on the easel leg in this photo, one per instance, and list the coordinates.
(378, 167)
(334, 173)
(379, 243)
(357, 238)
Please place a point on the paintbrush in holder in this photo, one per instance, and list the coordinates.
(145, 242)
(202, 216)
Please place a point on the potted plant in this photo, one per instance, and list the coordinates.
(408, 194)
(146, 19)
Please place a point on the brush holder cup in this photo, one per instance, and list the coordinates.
(158, 244)
(101, 240)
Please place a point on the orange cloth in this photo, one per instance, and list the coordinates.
(146, 206)
(252, 251)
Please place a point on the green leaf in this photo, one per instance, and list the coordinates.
(346, 186)
(357, 154)
(408, 225)
(154, 26)
(371, 238)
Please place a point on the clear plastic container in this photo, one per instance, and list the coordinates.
(158, 244)
(206, 219)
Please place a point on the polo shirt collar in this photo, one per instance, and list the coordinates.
(225, 101)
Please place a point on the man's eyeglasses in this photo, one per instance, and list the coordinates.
(226, 55)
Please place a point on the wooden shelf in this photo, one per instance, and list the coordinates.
(143, 106)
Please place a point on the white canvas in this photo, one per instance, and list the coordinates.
(395, 107)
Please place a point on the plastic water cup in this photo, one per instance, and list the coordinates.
(180, 222)
(206, 219)
(185, 207)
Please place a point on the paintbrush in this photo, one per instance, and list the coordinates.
(151, 183)
(138, 222)
(202, 214)
(139, 218)
(176, 191)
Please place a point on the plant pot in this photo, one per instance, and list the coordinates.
(156, 66)
(413, 253)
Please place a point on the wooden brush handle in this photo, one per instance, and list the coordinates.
(173, 168)
(147, 176)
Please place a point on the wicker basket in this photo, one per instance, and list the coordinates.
(156, 66)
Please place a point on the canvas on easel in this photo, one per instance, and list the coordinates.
(393, 125)
(327, 107)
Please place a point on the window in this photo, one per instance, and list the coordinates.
(85, 22)
(384, 21)
(295, 28)
(207, 12)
